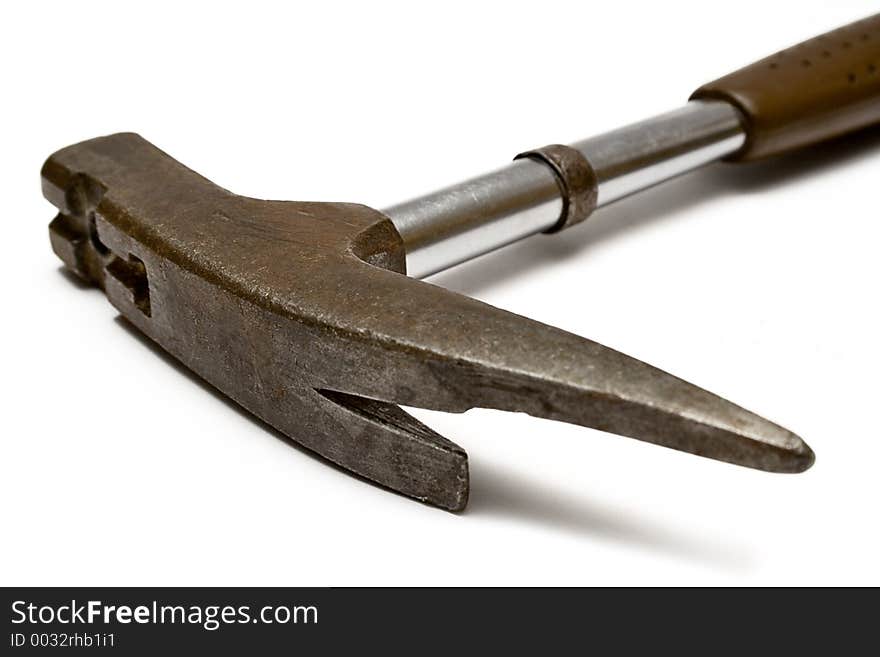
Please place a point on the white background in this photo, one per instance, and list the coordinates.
(758, 283)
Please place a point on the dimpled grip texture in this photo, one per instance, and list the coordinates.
(816, 90)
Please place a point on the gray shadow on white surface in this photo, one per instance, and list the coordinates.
(502, 493)
(656, 205)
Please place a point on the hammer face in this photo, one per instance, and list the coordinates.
(300, 312)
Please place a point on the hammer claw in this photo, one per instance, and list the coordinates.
(432, 348)
(390, 447)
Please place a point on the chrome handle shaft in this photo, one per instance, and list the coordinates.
(479, 215)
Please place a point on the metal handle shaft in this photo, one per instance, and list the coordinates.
(482, 214)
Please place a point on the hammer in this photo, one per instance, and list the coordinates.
(303, 312)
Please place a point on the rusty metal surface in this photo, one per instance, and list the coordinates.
(300, 312)
(577, 181)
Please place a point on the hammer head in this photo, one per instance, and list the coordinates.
(301, 313)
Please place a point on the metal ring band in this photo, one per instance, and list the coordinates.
(577, 181)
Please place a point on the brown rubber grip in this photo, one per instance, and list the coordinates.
(816, 90)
